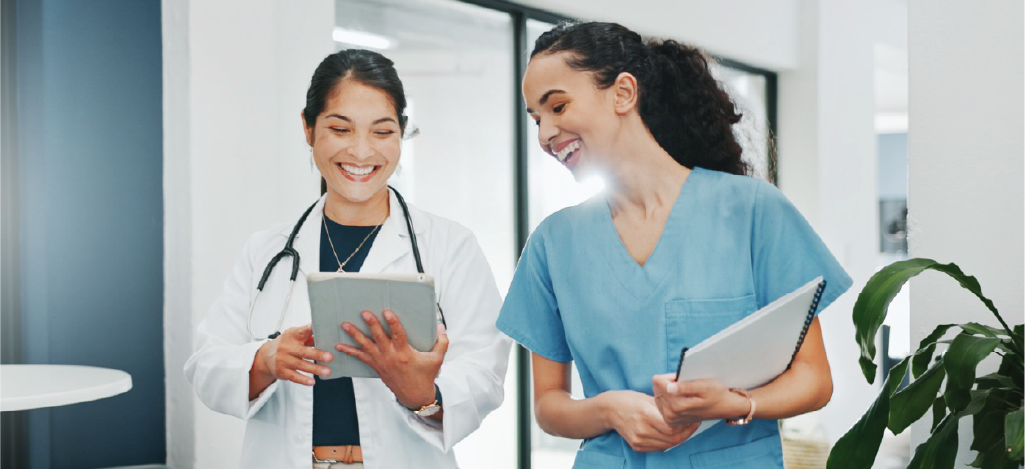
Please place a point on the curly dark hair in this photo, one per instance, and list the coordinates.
(686, 109)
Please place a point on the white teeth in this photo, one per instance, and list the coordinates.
(358, 170)
(562, 155)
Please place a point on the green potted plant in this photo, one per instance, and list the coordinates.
(947, 384)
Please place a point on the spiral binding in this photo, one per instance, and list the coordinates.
(807, 322)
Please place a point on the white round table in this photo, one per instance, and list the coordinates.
(24, 387)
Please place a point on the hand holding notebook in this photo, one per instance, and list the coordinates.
(755, 350)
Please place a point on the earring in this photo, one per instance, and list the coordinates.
(312, 166)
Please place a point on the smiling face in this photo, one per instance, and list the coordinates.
(356, 143)
(577, 122)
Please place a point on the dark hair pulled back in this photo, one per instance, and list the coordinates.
(367, 67)
(686, 109)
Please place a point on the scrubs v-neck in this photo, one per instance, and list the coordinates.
(731, 245)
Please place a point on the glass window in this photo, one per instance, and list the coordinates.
(552, 188)
(455, 61)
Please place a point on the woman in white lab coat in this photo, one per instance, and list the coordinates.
(424, 402)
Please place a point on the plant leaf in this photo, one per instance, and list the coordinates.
(940, 450)
(1018, 337)
(978, 403)
(939, 410)
(988, 429)
(873, 302)
(979, 329)
(911, 403)
(988, 423)
(1014, 435)
(994, 458)
(960, 361)
(857, 449)
(926, 348)
(1011, 367)
(971, 284)
(995, 380)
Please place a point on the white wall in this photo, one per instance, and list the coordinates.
(828, 169)
(753, 31)
(235, 161)
(966, 163)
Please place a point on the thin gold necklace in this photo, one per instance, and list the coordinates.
(341, 264)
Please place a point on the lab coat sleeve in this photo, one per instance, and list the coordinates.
(218, 369)
(472, 377)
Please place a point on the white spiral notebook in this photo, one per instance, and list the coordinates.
(755, 350)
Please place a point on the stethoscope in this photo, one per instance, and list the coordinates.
(289, 251)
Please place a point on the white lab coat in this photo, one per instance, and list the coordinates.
(280, 421)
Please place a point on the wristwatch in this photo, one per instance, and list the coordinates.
(432, 408)
(750, 414)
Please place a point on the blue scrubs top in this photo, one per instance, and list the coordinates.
(731, 245)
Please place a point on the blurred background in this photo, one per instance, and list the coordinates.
(144, 140)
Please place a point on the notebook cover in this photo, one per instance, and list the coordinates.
(755, 350)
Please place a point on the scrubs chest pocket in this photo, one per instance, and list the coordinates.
(688, 322)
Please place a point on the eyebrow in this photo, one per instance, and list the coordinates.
(378, 121)
(544, 97)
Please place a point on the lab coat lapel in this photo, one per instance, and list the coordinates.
(307, 244)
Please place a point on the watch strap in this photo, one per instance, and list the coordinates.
(750, 414)
(431, 408)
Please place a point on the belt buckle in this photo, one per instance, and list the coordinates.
(347, 457)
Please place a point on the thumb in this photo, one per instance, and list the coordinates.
(666, 382)
(441, 346)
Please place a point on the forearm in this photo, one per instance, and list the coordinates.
(559, 414)
(801, 389)
(807, 386)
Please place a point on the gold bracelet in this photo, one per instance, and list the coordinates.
(750, 415)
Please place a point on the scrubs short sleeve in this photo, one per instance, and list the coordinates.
(530, 314)
(788, 253)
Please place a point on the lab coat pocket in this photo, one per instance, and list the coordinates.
(587, 459)
(688, 322)
(765, 452)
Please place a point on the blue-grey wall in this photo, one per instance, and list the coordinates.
(89, 122)
(893, 166)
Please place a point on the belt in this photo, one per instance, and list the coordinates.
(346, 454)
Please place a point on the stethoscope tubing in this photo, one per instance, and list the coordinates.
(289, 251)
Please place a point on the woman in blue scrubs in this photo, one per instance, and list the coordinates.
(680, 245)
